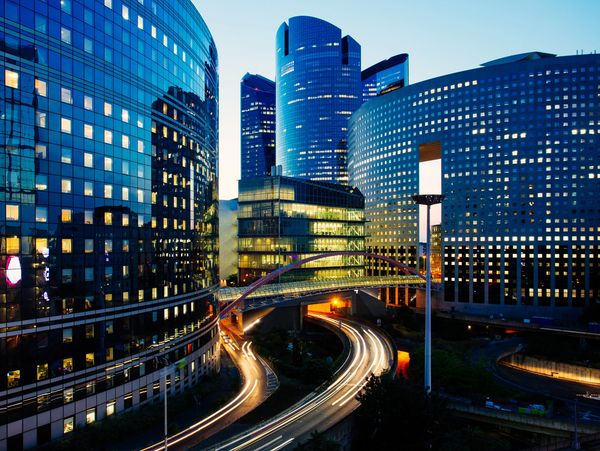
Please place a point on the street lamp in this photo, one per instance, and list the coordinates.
(429, 200)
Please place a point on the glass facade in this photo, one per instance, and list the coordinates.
(318, 88)
(108, 218)
(282, 219)
(519, 142)
(258, 125)
(385, 76)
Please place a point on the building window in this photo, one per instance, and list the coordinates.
(13, 245)
(66, 215)
(90, 415)
(89, 246)
(88, 160)
(41, 87)
(66, 155)
(110, 407)
(125, 193)
(13, 378)
(68, 425)
(88, 103)
(125, 220)
(110, 354)
(88, 188)
(125, 115)
(65, 35)
(108, 191)
(108, 164)
(88, 217)
(41, 214)
(107, 109)
(40, 119)
(12, 212)
(68, 395)
(88, 131)
(67, 277)
(65, 125)
(67, 245)
(67, 335)
(89, 274)
(11, 78)
(68, 365)
(42, 371)
(65, 186)
(108, 219)
(89, 359)
(65, 95)
(125, 12)
(108, 246)
(107, 136)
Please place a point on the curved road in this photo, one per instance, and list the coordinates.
(370, 352)
(259, 381)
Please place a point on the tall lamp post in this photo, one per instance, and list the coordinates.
(429, 200)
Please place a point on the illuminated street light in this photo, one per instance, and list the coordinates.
(429, 200)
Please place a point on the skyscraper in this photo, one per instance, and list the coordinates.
(108, 210)
(519, 144)
(257, 125)
(385, 76)
(318, 87)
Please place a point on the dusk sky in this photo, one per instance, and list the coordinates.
(440, 36)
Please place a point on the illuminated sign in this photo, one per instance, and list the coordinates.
(13, 271)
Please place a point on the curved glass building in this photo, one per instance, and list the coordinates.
(108, 218)
(385, 76)
(318, 87)
(519, 143)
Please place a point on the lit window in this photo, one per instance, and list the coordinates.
(40, 119)
(88, 131)
(110, 405)
(126, 221)
(153, 31)
(13, 245)
(107, 109)
(124, 115)
(90, 414)
(140, 195)
(42, 371)
(11, 78)
(108, 3)
(108, 246)
(110, 355)
(140, 22)
(65, 95)
(88, 103)
(125, 142)
(65, 35)
(41, 214)
(65, 185)
(125, 193)
(12, 212)
(108, 164)
(125, 12)
(108, 189)
(65, 125)
(140, 146)
(88, 160)
(66, 155)
(41, 87)
(107, 136)
(107, 218)
(68, 425)
(66, 215)
(13, 378)
(67, 245)
(68, 365)
(88, 188)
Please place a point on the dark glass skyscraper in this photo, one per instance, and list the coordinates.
(108, 209)
(385, 76)
(257, 125)
(519, 144)
(318, 87)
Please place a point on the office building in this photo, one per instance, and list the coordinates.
(318, 87)
(284, 219)
(257, 125)
(519, 143)
(108, 218)
(228, 239)
(385, 76)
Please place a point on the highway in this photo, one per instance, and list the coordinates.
(259, 381)
(370, 352)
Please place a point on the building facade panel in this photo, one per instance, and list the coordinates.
(108, 209)
(519, 145)
(318, 87)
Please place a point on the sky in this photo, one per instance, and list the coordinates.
(440, 36)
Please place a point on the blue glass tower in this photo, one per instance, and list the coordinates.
(257, 95)
(318, 87)
(385, 76)
(108, 210)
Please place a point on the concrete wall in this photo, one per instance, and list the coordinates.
(549, 368)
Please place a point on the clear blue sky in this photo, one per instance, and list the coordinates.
(440, 36)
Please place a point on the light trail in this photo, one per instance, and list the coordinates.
(365, 359)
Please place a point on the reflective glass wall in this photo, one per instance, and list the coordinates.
(318, 88)
(108, 218)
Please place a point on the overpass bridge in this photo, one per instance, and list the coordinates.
(269, 295)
